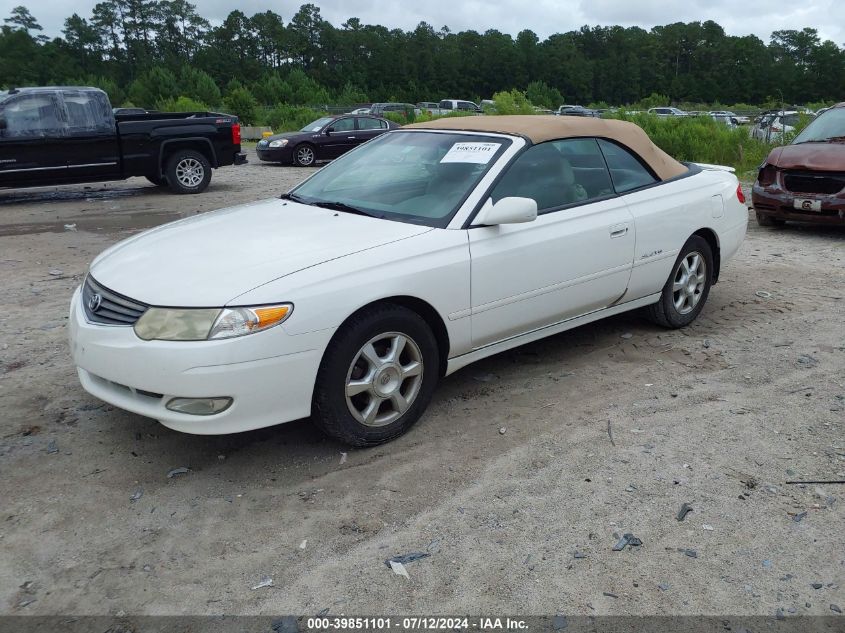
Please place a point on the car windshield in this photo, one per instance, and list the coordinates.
(828, 126)
(419, 177)
(319, 124)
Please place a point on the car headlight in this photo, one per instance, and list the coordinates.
(201, 324)
(279, 143)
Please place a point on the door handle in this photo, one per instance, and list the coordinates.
(618, 230)
(350, 137)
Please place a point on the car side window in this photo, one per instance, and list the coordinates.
(87, 112)
(445, 105)
(557, 173)
(344, 125)
(33, 116)
(365, 123)
(626, 170)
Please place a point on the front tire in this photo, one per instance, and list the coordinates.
(687, 288)
(188, 171)
(304, 155)
(377, 376)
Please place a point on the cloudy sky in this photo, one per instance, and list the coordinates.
(738, 17)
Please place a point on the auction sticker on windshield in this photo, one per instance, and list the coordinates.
(479, 153)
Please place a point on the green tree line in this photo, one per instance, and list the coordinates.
(153, 52)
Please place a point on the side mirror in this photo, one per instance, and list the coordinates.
(511, 210)
(329, 131)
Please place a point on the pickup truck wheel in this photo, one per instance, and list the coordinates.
(687, 288)
(188, 171)
(377, 376)
(159, 181)
(304, 155)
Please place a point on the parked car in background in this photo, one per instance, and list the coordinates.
(737, 119)
(428, 106)
(577, 111)
(365, 110)
(324, 139)
(566, 106)
(805, 180)
(729, 121)
(772, 127)
(380, 109)
(667, 112)
(66, 135)
(450, 105)
(425, 250)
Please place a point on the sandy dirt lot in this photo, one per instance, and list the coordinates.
(608, 429)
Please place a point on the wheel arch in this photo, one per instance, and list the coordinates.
(426, 311)
(709, 235)
(198, 144)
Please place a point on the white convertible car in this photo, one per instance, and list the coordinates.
(423, 250)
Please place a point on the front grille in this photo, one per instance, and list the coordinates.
(112, 308)
(814, 183)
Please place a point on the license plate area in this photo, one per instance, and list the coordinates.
(806, 204)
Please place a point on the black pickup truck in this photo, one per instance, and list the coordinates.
(64, 135)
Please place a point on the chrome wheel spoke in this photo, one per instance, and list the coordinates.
(354, 387)
(371, 410)
(372, 357)
(411, 369)
(397, 344)
(400, 404)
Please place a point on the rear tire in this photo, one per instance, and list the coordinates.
(188, 171)
(764, 219)
(377, 376)
(687, 288)
(304, 155)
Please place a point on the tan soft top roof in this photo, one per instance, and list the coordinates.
(540, 128)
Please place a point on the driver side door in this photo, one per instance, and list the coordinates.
(575, 258)
(340, 138)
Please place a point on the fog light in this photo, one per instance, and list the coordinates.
(199, 406)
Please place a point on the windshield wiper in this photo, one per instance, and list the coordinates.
(292, 196)
(342, 206)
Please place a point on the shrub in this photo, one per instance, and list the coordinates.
(513, 102)
(702, 140)
(241, 103)
(182, 104)
(286, 118)
(157, 85)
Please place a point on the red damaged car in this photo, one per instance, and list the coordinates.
(805, 180)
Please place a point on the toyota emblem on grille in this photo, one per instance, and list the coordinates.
(94, 303)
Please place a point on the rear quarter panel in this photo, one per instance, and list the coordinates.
(667, 215)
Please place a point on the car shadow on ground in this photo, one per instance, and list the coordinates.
(302, 445)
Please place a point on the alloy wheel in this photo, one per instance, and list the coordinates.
(689, 282)
(384, 379)
(189, 172)
(305, 155)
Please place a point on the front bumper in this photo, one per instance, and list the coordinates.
(269, 375)
(776, 202)
(275, 154)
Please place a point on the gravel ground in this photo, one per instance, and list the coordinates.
(608, 429)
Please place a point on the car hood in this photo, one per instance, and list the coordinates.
(208, 260)
(809, 156)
